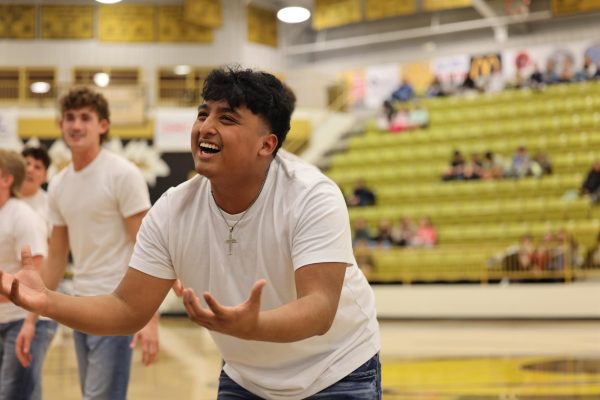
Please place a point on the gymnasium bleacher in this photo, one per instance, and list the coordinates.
(479, 219)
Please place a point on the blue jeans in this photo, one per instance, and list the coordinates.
(364, 383)
(104, 363)
(45, 330)
(16, 382)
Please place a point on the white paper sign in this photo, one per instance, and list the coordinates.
(172, 129)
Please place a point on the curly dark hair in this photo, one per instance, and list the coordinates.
(82, 96)
(38, 153)
(261, 92)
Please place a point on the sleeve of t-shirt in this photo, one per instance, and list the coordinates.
(31, 232)
(54, 214)
(132, 192)
(321, 229)
(151, 252)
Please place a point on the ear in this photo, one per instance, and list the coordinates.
(104, 125)
(269, 143)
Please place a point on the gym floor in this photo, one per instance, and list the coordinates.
(422, 360)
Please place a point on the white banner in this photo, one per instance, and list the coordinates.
(9, 138)
(382, 80)
(172, 129)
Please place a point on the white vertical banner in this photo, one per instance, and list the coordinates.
(451, 71)
(382, 80)
(172, 129)
(9, 137)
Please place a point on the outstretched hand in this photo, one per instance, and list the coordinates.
(25, 288)
(239, 321)
(148, 338)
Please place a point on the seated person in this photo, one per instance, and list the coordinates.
(384, 233)
(404, 93)
(541, 165)
(418, 117)
(473, 170)
(591, 185)
(360, 231)
(492, 166)
(361, 196)
(426, 235)
(456, 170)
(404, 232)
(521, 164)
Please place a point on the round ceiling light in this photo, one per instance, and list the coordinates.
(108, 1)
(39, 87)
(101, 79)
(293, 15)
(182, 69)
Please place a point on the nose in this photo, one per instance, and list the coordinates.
(207, 126)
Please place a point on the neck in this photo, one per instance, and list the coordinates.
(82, 159)
(29, 192)
(237, 196)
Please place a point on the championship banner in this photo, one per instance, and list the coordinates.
(67, 22)
(172, 27)
(379, 9)
(484, 65)
(126, 23)
(172, 128)
(17, 22)
(434, 5)
(332, 13)
(562, 7)
(205, 13)
(261, 26)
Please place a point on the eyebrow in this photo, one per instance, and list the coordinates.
(221, 110)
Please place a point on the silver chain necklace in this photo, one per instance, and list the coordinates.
(231, 241)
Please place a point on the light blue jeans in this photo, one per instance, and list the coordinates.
(45, 330)
(364, 383)
(104, 363)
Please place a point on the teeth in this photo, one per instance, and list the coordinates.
(209, 146)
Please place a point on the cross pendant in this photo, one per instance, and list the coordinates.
(231, 241)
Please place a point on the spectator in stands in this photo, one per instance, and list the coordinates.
(404, 232)
(492, 166)
(566, 74)
(542, 254)
(541, 164)
(383, 238)
(364, 257)
(536, 79)
(591, 185)
(456, 170)
(400, 122)
(418, 117)
(589, 71)
(592, 259)
(521, 164)
(404, 93)
(525, 252)
(435, 88)
(361, 231)
(473, 170)
(426, 235)
(495, 81)
(566, 252)
(551, 76)
(361, 196)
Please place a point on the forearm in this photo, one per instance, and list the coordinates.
(308, 316)
(97, 315)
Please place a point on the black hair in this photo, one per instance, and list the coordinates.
(262, 93)
(38, 153)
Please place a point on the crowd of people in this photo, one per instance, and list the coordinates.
(404, 233)
(492, 166)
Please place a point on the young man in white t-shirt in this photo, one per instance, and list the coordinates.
(36, 333)
(265, 238)
(96, 204)
(19, 226)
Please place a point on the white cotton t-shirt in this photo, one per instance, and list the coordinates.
(93, 204)
(299, 218)
(19, 226)
(39, 203)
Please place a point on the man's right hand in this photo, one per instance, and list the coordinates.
(25, 288)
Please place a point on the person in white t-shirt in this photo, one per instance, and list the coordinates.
(19, 226)
(35, 337)
(96, 207)
(265, 239)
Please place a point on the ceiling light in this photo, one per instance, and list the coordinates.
(293, 15)
(182, 69)
(108, 1)
(39, 87)
(101, 79)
